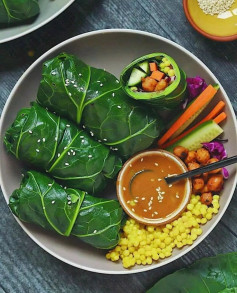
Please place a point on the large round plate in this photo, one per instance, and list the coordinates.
(112, 50)
(48, 11)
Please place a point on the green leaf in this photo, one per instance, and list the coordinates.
(14, 11)
(44, 140)
(208, 275)
(42, 201)
(94, 98)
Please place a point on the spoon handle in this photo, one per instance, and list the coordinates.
(201, 170)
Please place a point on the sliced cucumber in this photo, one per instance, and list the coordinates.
(144, 66)
(136, 76)
(205, 132)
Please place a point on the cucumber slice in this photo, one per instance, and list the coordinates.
(136, 76)
(144, 66)
(205, 132)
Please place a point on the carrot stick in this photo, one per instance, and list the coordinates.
(200, 102)
(220, 117)
(216, 110)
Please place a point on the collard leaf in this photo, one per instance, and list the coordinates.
(47, 142)
(42, 201)
(15, 11)
(208, 275)
(94, 98)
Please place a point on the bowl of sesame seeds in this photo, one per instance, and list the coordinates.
(214, 19)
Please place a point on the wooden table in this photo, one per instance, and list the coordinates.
(24, 266)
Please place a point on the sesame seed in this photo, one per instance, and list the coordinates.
(70, 94)
(53, 73)
(101, 84)
(65, 187)
(66, 84)
(145, 210)
(113, 94)
(80, 74)
(170, 185)
(68, 125)
(58, 155)
(90, 156)
(128, 201)
(143, 198)
(66, 164)
(152, 215)
(43, 139)
(72, 151)
(30, 131)
(141, 159)
(38, 140)
(83, 141)
(133, 210)
(81, 88)
(135, 200)
(72, 81)
(75, 85)
(37, 150)
(50, 184)
(159, 179)
(105, 139)
(130, 165)
(124, 188)
(117, 81)
(81, 136)
(156, 213)
(53, 201)
(96, 92)
(64, 148)
(69, 197)
(119, 107)
(67, 80)
(152, 198)
(98, 81)
(99, 140)
(92, 134)
(83, 126)
(156, 164)
(94, 231)
(137, 197)
(152, 179)
(69, 202)
(69, 153)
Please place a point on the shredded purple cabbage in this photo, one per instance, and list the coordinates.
(195, 86)
(217, 150)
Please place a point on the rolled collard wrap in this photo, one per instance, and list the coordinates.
(42, 201)
(94, 99)
(155, 79)
(48, 142)
(16, 11)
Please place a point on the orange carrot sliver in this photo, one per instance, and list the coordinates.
(220, 117)
(216, 110)
(153, 66)
(158, 75)
(200, 101)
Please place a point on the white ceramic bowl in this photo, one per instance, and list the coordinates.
(48, 11)
(112, 50)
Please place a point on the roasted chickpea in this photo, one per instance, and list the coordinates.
(192, 166)
(181, 152)
(206, 198)
(213, 160)
(198, 184)
(205, 189)
(191, 157)
(202, 156)
(149, 84)
(215, 182)
(161, 85)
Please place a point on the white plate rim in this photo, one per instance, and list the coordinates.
(27, 31)
(218, 216)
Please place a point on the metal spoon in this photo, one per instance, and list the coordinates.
(198, 171)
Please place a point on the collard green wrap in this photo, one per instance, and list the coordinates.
(48, 142)
(15, 11)
(94, 98)
(171, 97)
(42, 201)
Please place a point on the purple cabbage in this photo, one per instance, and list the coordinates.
(217, 150)
(195, 86)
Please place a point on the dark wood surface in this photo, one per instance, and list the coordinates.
(25, 267)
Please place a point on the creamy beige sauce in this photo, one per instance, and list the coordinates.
(145, 191)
